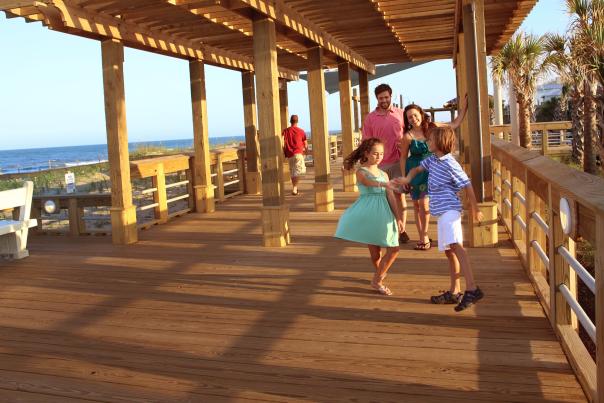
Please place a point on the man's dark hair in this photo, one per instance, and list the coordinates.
(381, 88)
(293, 119)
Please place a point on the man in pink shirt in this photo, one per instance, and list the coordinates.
(386, 123)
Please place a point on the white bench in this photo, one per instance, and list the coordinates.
(13, 233)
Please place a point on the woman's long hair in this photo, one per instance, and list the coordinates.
(359, 154)
(425, 124)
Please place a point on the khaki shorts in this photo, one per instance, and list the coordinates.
(297, 166)
(394, 171)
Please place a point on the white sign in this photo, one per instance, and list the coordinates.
(70, 182)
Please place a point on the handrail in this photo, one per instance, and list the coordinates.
(551, 138)
(536, 184)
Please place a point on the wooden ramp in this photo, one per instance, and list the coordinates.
(198, 311)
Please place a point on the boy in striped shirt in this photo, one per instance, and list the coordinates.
(446, 178)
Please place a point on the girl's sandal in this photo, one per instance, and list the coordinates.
(381, 289)
(423, 246)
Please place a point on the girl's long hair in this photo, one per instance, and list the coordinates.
(359, 154)
(425, 124)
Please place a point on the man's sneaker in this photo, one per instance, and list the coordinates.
(446, 298)
(403, 237)
(469, 298)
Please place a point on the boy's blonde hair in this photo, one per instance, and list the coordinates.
(443, 138)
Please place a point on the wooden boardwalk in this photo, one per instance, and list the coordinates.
(197, 311)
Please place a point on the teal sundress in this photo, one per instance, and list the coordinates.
(419, 185)
(369, 219)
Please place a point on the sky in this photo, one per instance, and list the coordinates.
(52, 88)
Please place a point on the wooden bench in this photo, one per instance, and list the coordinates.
(13, 233)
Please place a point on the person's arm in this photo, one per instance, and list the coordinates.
(476, 214)
(361, 178)
(461, 114)
(404, 144)
(405, 180)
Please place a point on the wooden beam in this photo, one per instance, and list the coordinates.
(355, 108)
(202, 182)
(364, 90)
(287, 17)
(348, 178)
(123, 213)
(462, 90)
(252, 147)
(275, 226)
(63, 17)
(319, 131)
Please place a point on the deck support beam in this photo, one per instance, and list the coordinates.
(123, 212)
(253, 180)
(355, 108)
(479, 142)
(202, 182)
(275, 213)
(364, 91)
(348, 176)
(320, 135)
(284, 114)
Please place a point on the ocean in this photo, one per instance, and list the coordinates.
(38, 159)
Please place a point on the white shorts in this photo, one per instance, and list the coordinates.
(297, 166)
(449, 229)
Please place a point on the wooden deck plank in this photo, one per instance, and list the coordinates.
(197, 310)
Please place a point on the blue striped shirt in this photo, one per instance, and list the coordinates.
(446, 178)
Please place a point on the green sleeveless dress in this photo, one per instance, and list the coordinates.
(369, 219)
(419, 185)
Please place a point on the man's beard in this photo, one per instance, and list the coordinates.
(384, 105)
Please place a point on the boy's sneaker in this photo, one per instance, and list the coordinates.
(446, 298)
(469, 298)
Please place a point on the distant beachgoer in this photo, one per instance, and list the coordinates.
(386, 124)
(414, 149)
(294, 148)
(369, 220)
(446, 179)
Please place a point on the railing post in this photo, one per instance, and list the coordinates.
(241, 169)
(219, 176)
(516, 229)
(190, 188)
(544, 141)
(160, 196)
(74, 219)
(599, 271)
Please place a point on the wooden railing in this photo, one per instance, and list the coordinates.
(550, 138)
(164, 191)
(529, 189)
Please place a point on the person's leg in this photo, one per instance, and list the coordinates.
(425, 218)
(295, 180)
(385, 264)
(418, 220)
(464, 264)
(455, 286)
(375, 254)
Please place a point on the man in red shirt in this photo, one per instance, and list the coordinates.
(387, 124)
(294, 148)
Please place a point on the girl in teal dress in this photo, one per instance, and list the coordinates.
(370, 219)
(414, 149)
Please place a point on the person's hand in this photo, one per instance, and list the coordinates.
(402, 181)
(399, 224)
(478, 216)
(390, 186)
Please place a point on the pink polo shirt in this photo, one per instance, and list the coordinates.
(387, 127)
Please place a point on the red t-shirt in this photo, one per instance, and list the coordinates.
(293, 141)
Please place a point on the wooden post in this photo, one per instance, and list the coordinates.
(462, 89)
(532, 228)
(599, 274)
(364, 90)
(355, 105)
(400, 101)
(516, 228)
(241, 169)
(204, 190)
(544, 141)
(275, 226)
(123, 212)
(219, 176)
(74, 217)
(160, 196)
(284, 113)
(348, 176)
(320, 137)
(253, 184)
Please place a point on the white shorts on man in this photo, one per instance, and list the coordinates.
(449, 229)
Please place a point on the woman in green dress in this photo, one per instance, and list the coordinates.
(370, 219)
(414, 149)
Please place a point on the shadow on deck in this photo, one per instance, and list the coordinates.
(199, 311)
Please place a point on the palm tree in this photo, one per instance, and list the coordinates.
(587, 39)
(559, 59)
(520, 63)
